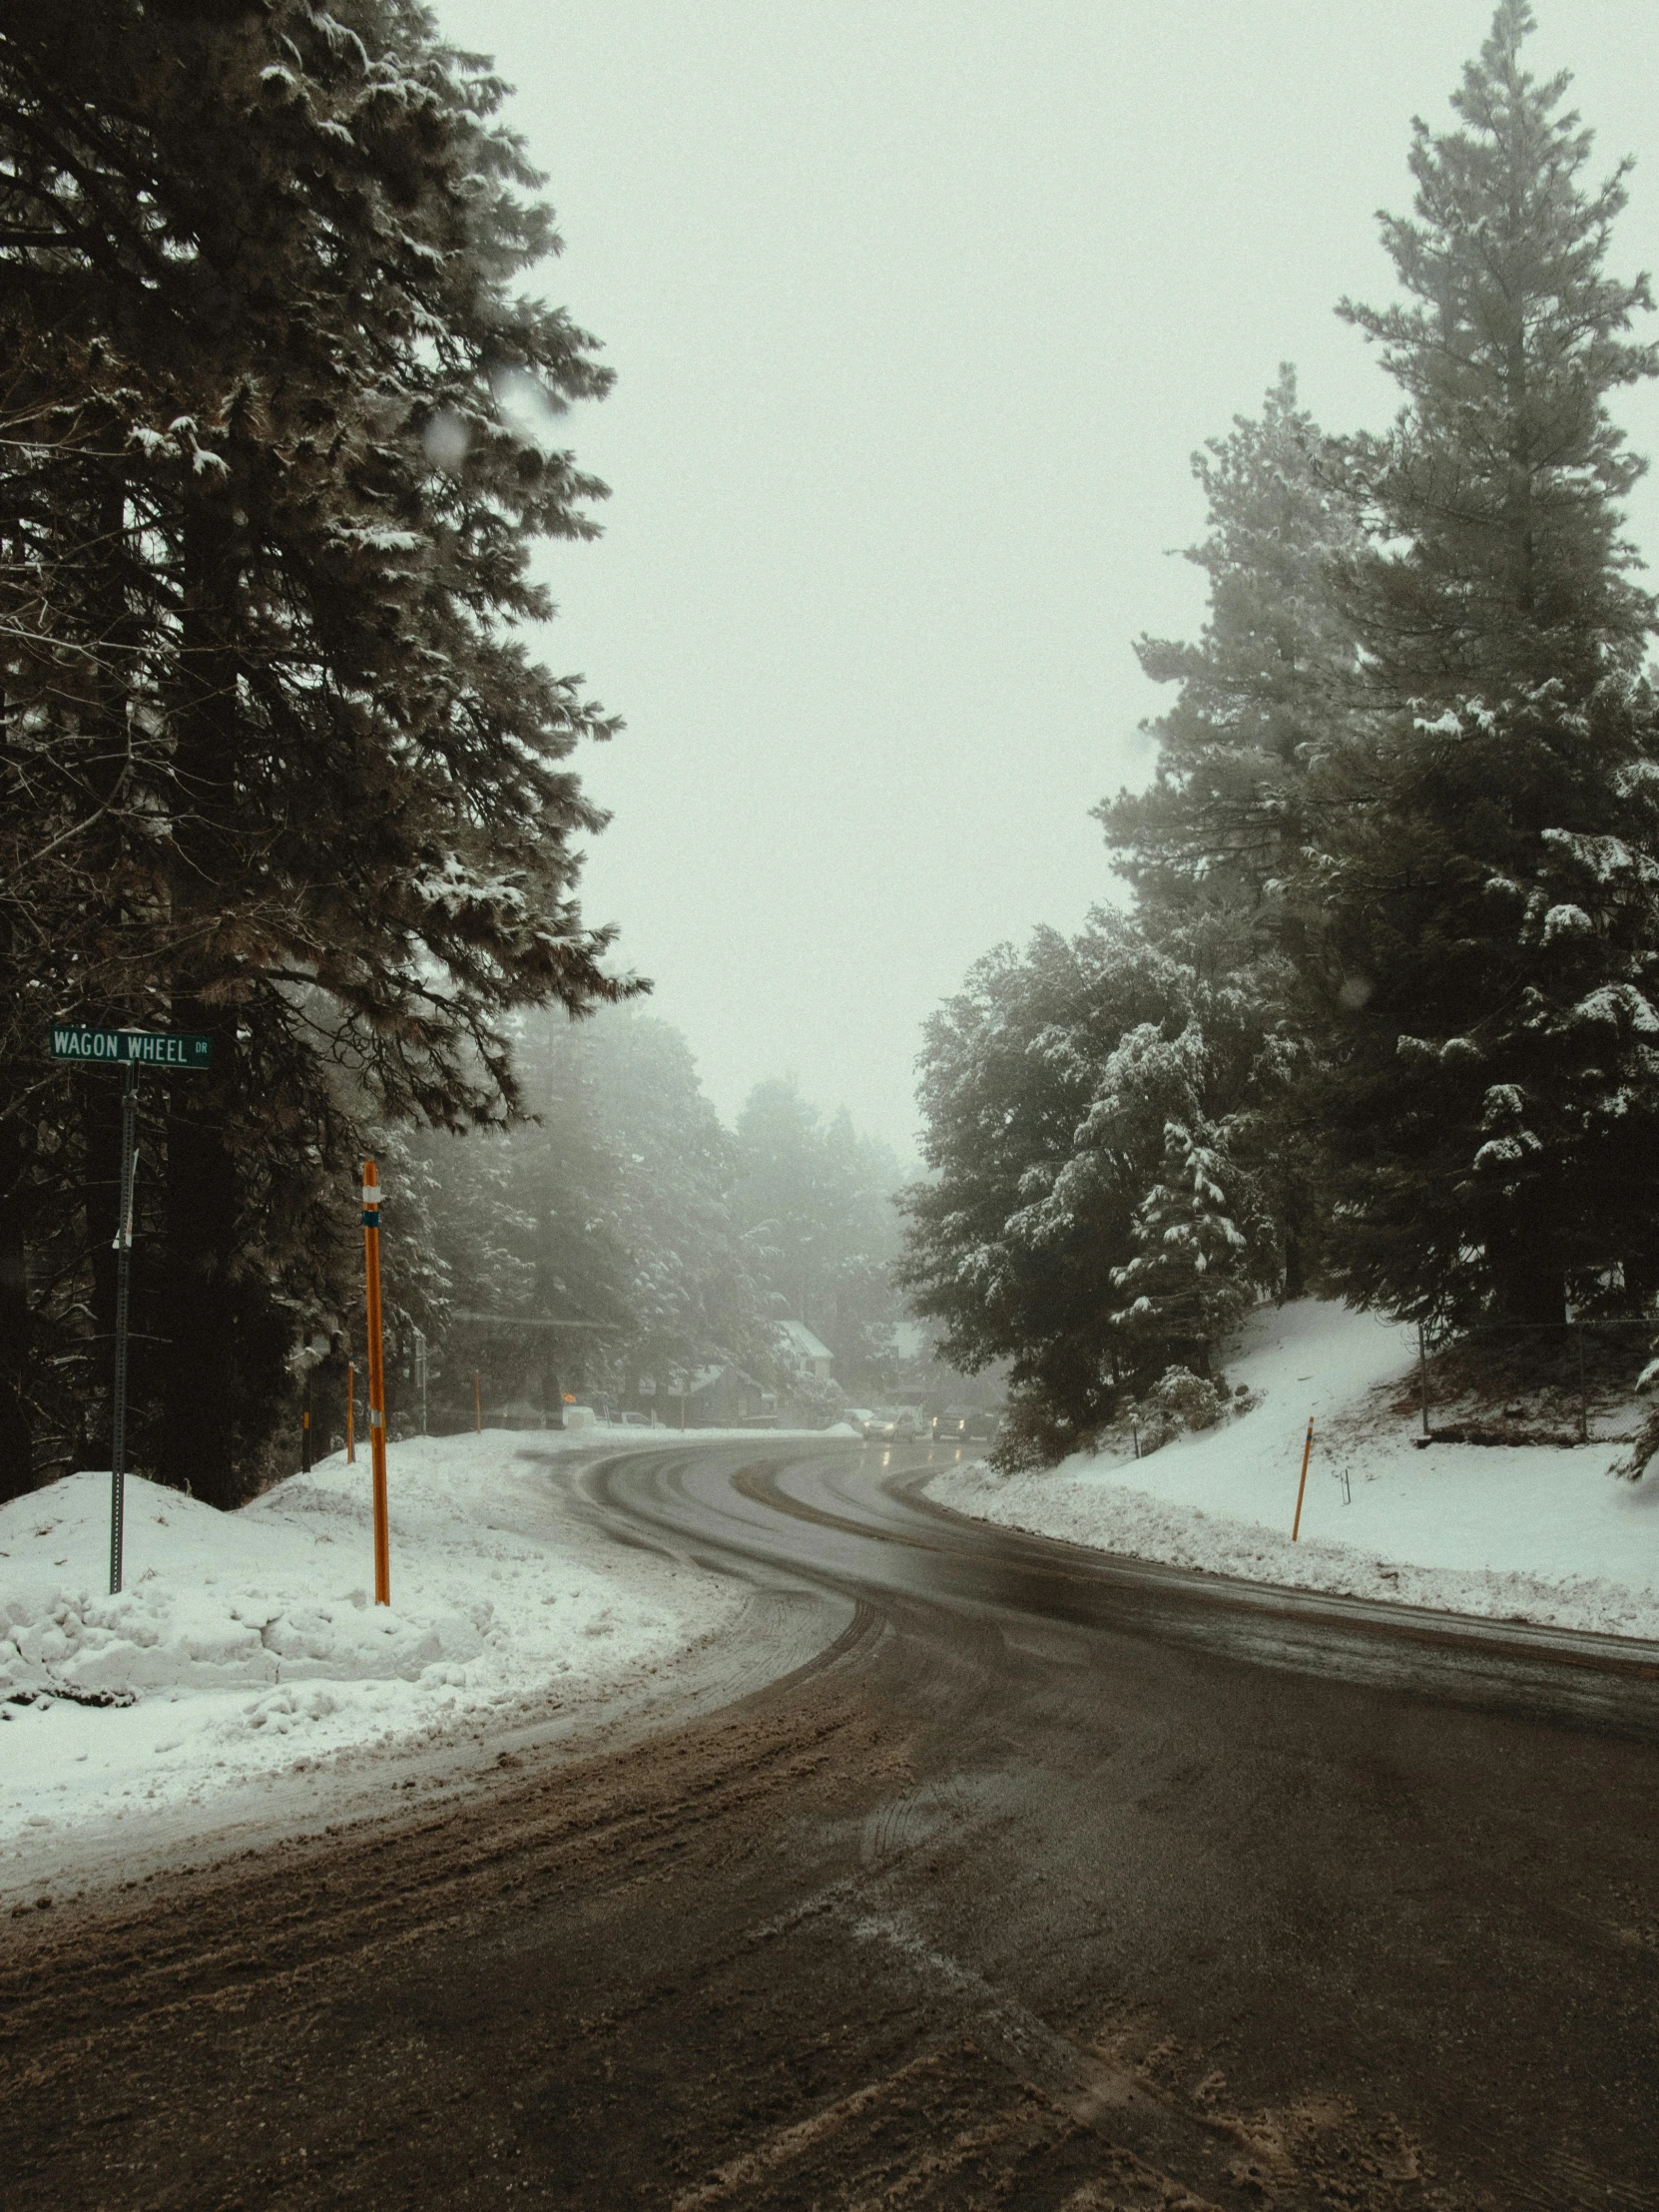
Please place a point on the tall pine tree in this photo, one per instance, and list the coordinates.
(1475, 922)
(1214, 844)
(264, 284)
(1272, 675)
(1093, 1212)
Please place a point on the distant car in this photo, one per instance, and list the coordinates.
(908, 1423)
(858, 1417)
(966, 1425)
(880, 1428)
(636, 1421)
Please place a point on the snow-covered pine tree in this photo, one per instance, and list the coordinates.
(815, 1203)
(1049, 1086)
(289, 241)
(1271, 675)
(697, 1288)
(1007, 1072)
(611, 1211)
(1476, 925)
(863, 1303)
(1211, 845)
(1191, 1279)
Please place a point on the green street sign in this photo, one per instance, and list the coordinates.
(161, 1048)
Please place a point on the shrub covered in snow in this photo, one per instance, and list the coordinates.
(1179, 1402)
(1035, 1435)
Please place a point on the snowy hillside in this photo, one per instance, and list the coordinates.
(1535, 1533)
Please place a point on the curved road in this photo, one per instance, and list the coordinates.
(1045, 1881)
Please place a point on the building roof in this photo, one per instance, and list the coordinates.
(800, 1339)
(705, 1379)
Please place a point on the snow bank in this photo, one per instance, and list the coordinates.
(247, 1644)
(1522, 1533)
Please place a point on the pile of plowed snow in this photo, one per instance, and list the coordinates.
(1532, 1532)
(246, 1644)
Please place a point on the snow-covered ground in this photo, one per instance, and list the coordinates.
(1527, 1532)
(248, 1645)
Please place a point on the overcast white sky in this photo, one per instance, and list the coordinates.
(918, 308)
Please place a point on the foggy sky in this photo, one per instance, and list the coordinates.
(919, 309)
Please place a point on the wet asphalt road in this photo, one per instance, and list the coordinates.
(1052, 1881)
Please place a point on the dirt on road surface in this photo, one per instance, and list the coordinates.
(1049, 1883)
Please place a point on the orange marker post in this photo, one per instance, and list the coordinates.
(376, 1382)
(477, 1402)
(350, 1413)
(1306, 1454)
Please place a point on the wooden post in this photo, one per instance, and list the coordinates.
(1422, 1376)
(1306, 1454)
(376, 1381)
(477, 1403)
(350, 1413)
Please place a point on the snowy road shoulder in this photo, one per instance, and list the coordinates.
(1530, 1532)
(245, 1647)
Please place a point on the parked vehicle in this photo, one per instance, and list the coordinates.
(967, 1425)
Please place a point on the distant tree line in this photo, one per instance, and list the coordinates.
(623, 1240)
(279, 428)
(1384, 1018)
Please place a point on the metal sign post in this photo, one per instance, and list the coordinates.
(376, 1381)
(123, 1308)
(178, 1053)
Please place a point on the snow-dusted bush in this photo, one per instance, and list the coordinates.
(1178, 1401)
(1033, 1434)
(812, 1401)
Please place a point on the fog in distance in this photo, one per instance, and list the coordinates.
(918, 314)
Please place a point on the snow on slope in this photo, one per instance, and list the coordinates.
(1528, 1532)
(252, 1648)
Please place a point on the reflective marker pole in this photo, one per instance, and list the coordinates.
(376, 1382)
(1306, 1454)
(350, 1413)
(123, 1305)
